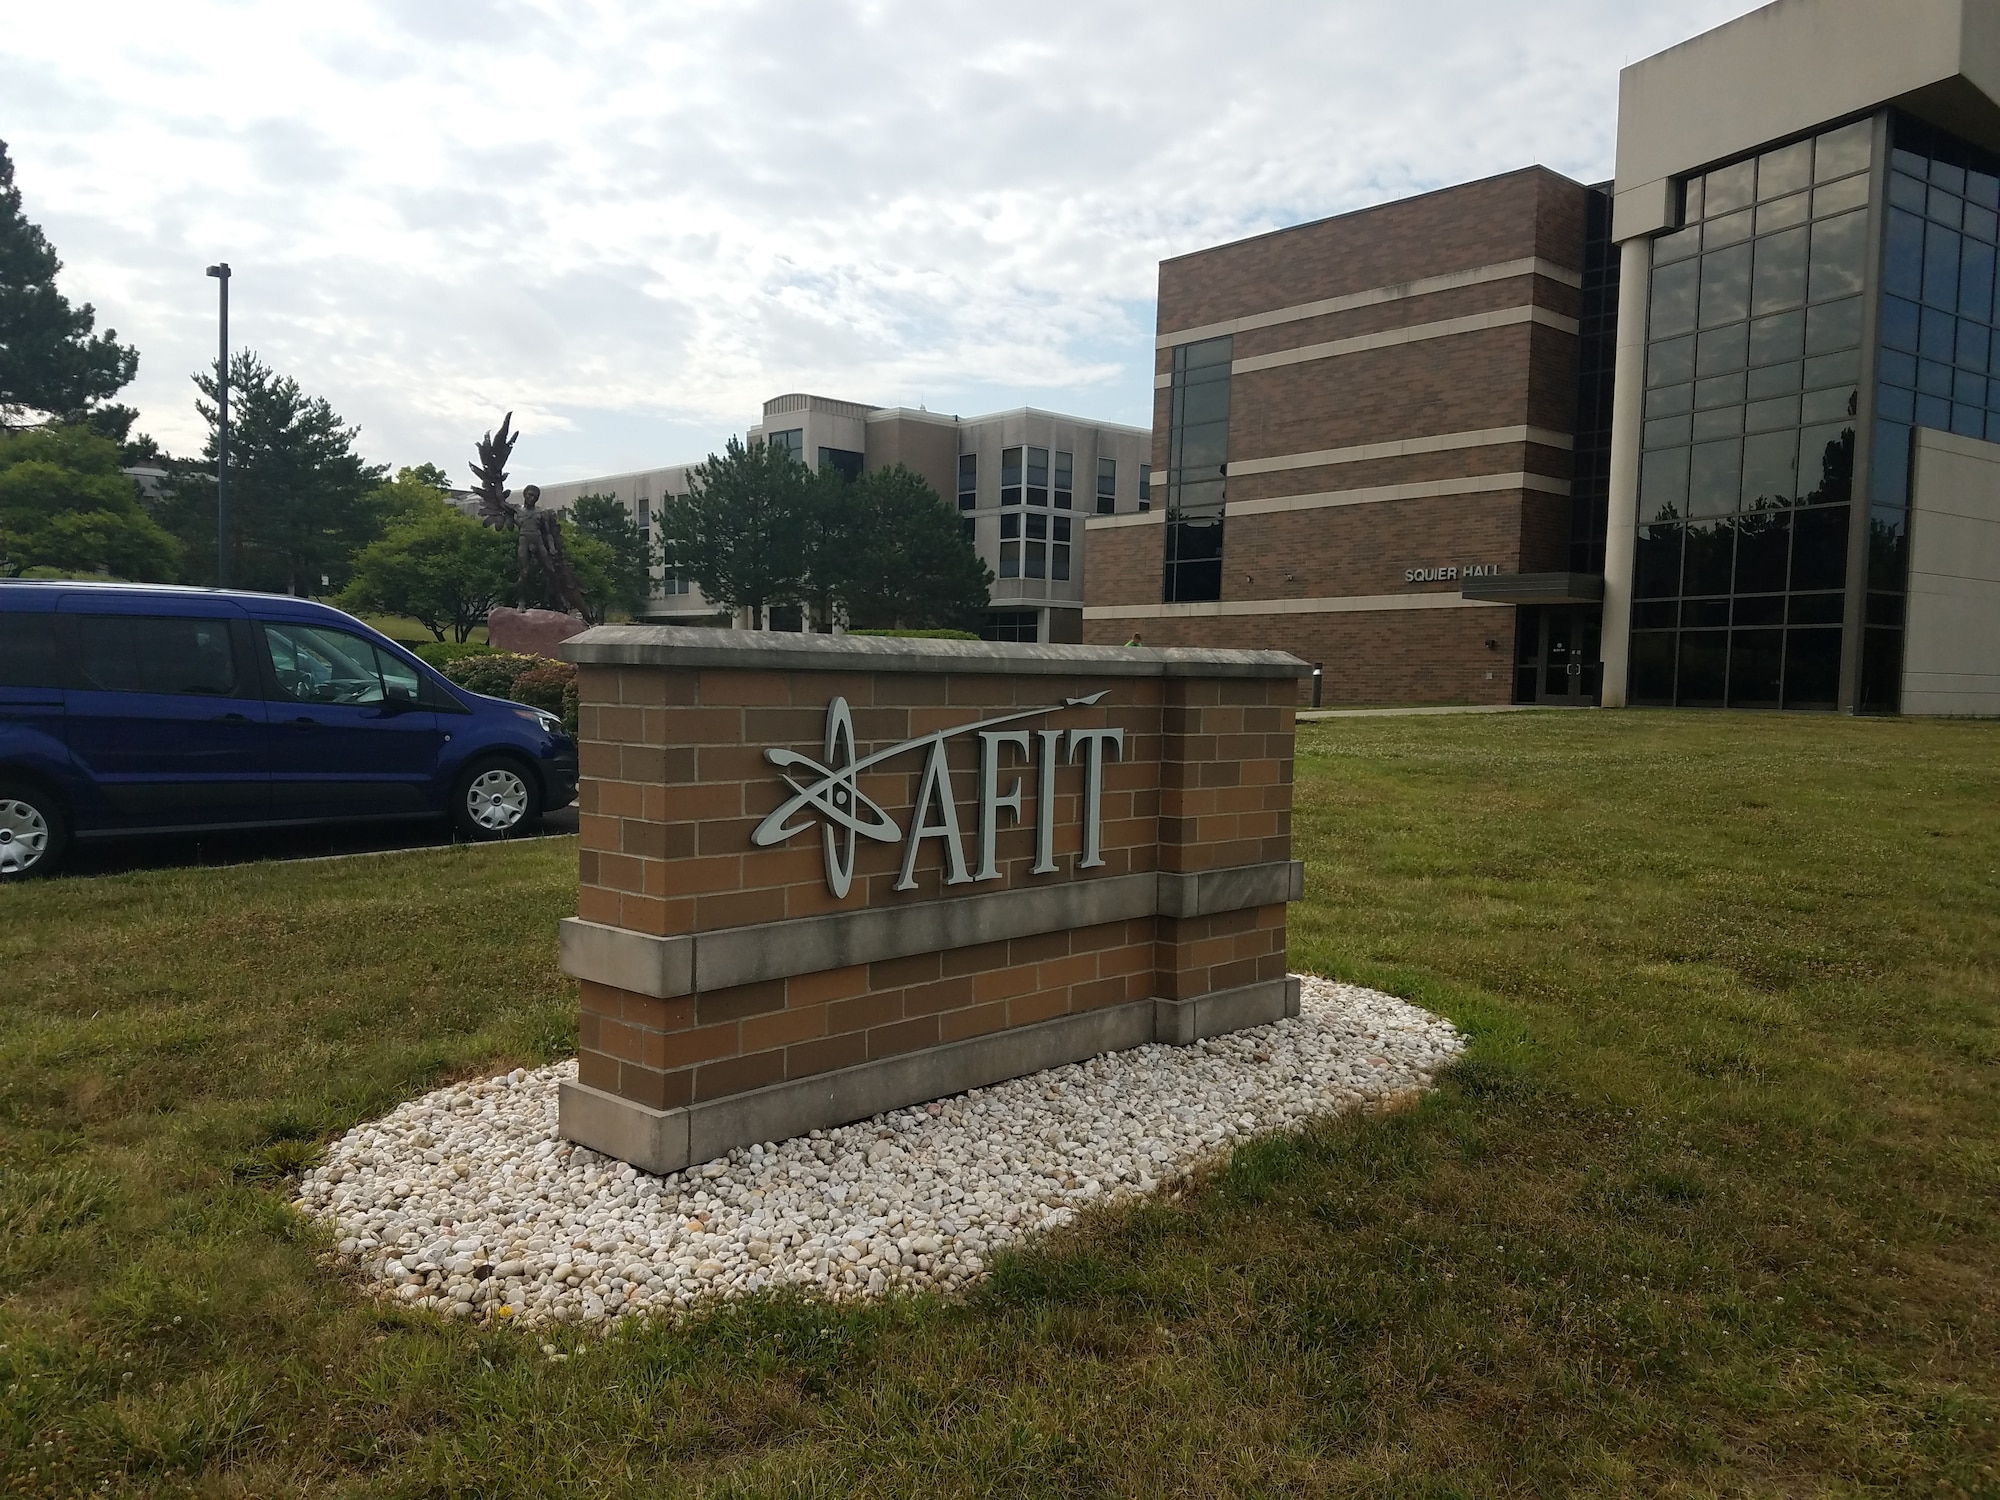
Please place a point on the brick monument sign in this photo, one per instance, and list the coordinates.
(826, 877)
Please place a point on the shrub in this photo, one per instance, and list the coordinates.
(922, 635)
(536, 681)
(442, 654)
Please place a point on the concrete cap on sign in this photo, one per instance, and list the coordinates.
(778, 651)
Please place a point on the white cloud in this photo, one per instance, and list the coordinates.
(630, 222)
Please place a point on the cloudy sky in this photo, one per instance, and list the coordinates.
(632, 222)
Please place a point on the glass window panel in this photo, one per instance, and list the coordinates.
(1206, 402)
(1061, 531)
(1010, 465)
(1945, 208)
(1777, 338)
(1065, 470)
(1726, 421)
(1983, 188)
(1669, 432)
(1774, 380)
(1940, 268)
(1884, 609)
(1934, 411)
(1663, 484)
(1722, 390)
(1107, 476)
(1819, 548)
(1652, 682)
(1981, 224)
(1969, 421)
(1755, 609)
(1038, 466)
(1672, 360)
(1010, 526)
(1700, 613)
(317, 665)
(1969, 386)
(1907, 192)
(1206, 494)
(1710, 561)
(1722, 349)
(1839, 251)
(181, 656)
(1833, 325)
(1896, 404)
(1913, 162)
(1785, 170)
(1037, 560)
(1948, 175)
(1038, 527)
(1817, 609)
(1669, 401)
(1843, 368)
(1691, 200)
(1730, 188)
(1839, 197)
(1677, 246)
(1010, 559)
(1763, 552)
(1826, 464)
(1887, 530)
(1784, 214)
(1704, 668)
(1714, 476)
(1207, 352)
(1770, 470)
(1200, 447)
(1900, 321)
(1898, 368)
(1938, 338)
(1731, 229)
(1059, 563)
(1848, 149)
(1903, 256)
(1674, 289)
(1812, 669)
(1656, 564)
(1934, 377)
(1756, 666)
(1834, 405)
(1779, 411)
(1659, 614)
(1781, 274)
(1975, 281)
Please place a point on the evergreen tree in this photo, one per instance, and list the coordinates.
(915, 569)
(737, 531)
(628, 578)
(300, 503)
(51, 364)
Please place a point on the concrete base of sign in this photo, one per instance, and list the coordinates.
(667, 1140)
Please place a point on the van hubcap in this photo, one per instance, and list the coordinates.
(497, 800)
(24, 836)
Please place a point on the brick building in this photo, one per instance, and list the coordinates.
(1391, 401)
(1722, 433)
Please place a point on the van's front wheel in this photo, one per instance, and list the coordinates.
(496, 798)
(34, 834)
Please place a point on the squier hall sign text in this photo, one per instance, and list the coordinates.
(823, 878)
(830, 788)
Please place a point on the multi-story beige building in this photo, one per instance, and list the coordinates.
(1022, 480)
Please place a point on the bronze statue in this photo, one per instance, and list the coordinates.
(544, 567)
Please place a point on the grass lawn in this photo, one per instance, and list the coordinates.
(1712, 1207)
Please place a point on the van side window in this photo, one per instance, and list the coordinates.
(156, 654)
(318, 665)
(28, 655)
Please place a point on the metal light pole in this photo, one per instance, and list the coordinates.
(221, 275)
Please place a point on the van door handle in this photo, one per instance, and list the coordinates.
(231, 719)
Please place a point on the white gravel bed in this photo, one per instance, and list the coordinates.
(467, 1201)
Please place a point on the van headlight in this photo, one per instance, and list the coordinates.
(542, 717)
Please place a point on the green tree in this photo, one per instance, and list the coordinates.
(51, 363)
(411, 495)
(439, 567)
(299, 495)
(598, 571)
(914, 567)
(64, 505)
(429, 474)
(737, 531)
(628, 575)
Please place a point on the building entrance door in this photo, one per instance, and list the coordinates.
(1557, 658)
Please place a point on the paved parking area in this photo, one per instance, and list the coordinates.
(167, 851)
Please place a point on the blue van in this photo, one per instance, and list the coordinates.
(134, 708)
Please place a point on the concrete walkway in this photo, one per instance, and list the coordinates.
(1308, 714)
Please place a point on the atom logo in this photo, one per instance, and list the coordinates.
(831, 788)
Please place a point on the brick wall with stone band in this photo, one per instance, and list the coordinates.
(729, 996)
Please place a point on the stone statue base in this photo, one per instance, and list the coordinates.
(531, 632)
